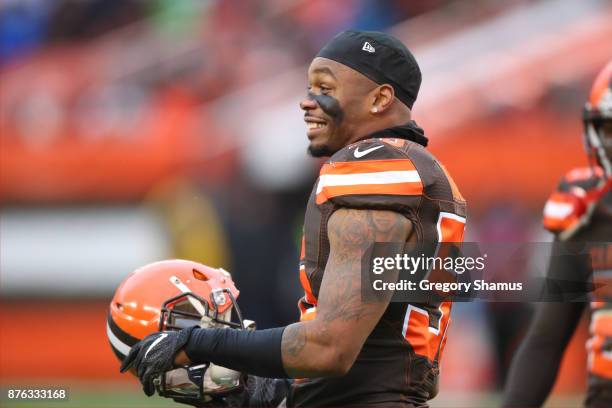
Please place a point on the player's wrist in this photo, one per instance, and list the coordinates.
(255, 352)
(181, 359)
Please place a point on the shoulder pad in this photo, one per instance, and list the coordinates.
(570, 205)
(362, 173)
(564, 211)
(584, 177)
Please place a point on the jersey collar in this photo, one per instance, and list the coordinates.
(410, 131)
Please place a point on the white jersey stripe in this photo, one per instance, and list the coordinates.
(382, 177)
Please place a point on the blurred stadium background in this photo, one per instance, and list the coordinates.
(133, 131)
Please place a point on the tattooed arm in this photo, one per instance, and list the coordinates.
(330, 343)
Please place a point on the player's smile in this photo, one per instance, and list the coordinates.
(330, 106)
(315, 126)
(323, 115)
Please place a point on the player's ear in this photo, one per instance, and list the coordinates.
(382, 98)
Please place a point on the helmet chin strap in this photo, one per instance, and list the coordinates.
(594, 142)
(199, 307)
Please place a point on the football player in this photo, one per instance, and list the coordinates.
(380, 184)
(580, 210)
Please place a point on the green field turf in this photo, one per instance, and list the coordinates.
(105, 395)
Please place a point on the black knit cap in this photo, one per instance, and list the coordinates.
(379, 56)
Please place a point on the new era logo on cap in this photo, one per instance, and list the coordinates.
(368, 47)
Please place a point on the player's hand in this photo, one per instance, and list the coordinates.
(154, 355)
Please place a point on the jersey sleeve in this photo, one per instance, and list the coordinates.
(370, 175)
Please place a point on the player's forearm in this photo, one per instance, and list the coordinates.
(299, 350)
(254, 352)
(308, 350)
(531, 376)
(534, 369)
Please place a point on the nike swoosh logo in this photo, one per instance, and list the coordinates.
(155, 343)
(359, 154)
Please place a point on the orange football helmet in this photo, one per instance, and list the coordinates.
(172, 295)
(597, 110)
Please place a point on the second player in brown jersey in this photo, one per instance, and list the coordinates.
(580, 210)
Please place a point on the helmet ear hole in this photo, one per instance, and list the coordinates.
(199, 275)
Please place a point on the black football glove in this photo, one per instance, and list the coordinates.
(154, 355)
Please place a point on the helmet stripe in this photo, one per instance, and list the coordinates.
(118, 354)
(119, 333)
(116, 343)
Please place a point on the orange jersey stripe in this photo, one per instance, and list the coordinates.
(303, 248)
(600, 361)
(388, 177)
(424, 339)
(387, 189)
(601, 323)
(310, 298)
(367, 166)
(456, 193)
(450, 227)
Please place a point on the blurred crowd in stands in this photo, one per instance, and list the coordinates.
(114, 102)
(103, 101)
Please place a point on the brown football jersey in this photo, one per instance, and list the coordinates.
(580, 210)
(399, 362)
